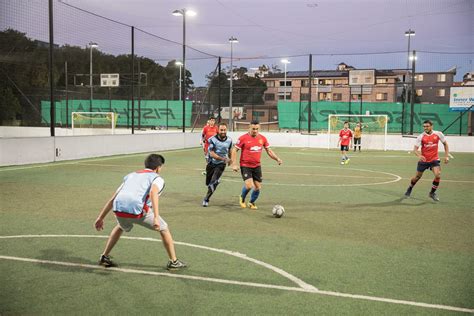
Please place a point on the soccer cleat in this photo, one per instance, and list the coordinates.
(408, 192)
(347, 161)
(434, 196)
(204, 173)
(106, 262)
(205, 203)
(253, 206)
(342, 162)
(175, 265)
(242, 202)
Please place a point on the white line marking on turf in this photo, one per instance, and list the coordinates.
(252, 284)
(61, 163)
(283, 273)
(397, 178)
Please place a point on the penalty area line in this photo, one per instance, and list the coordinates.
(259, 285)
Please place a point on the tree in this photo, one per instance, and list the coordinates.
(9, 106)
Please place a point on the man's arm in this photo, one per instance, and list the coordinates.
(217, 157)
(233, 157)
(99, 222)
(273, 156)
(418, 153)
(154, 193)
(446, 152)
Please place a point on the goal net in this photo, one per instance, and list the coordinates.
(93, 122)
(373, 130)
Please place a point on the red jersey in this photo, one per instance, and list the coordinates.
(429, 144)
(251, 149)
(345, 135)
(209, 131)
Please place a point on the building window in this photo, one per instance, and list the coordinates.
(282, 96)
(418, 77)
(441, 78)
(382, 80)
(288, 83)
(325, 82)
(355, 97)
(269, 96)
(337, 96)
(270, 83)
(341, 82)
(419, 92)
(440, 92)
(304, 96)
(381, 96)
(304, 83)
(324, 96)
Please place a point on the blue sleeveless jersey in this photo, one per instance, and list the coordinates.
(133, 196)
(220, 147)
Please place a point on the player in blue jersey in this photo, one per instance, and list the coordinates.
(136, 202)
(219, 155)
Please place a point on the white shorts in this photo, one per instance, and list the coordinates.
(126, 223)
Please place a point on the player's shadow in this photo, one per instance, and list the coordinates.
(64, 256)
(397, 202)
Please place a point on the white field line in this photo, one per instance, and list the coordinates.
(396, 179)
(54, 164)
(260, 285)
(283, 273)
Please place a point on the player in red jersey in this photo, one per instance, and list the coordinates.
(208, 131)
(345, 140)
(428, 142)
(251, 145)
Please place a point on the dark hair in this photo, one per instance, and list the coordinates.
(154, 161)
(428, 122)
(223, 124)
(212, 118)
(346, 122)
(254, 122)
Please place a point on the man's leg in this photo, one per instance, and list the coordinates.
(215, 171)
(255, 194)
(437, 179)
(113, 238)
(413, 181)
(168, 244)
(248, 185)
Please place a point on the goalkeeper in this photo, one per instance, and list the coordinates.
(136, 202)
(358, 135)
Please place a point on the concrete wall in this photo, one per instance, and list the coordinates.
(27, 150)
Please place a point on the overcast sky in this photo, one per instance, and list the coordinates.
(276, 28)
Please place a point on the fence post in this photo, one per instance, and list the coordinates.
(309, 95)
(51, 81)
(133, 78)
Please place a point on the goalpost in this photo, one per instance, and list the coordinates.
(103, 121)
(374, 129)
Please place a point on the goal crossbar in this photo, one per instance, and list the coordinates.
(113, 116)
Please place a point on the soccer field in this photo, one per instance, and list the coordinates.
(348, 244)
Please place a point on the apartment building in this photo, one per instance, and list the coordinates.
(330, 85)
(434, 87)
(333, 85)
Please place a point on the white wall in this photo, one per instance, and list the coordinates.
(27, 150)
(18, 151)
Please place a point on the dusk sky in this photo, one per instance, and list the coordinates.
(264, 28)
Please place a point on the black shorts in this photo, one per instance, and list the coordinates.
(251, 173)
(214, 172)
(422, 166)
(344, 147)
(356, 141)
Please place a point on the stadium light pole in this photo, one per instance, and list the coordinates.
(180, 64)
(408, 34)
(184, 12)
(232, 40)
(285, 62)
(91, 46)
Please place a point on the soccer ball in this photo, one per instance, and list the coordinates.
(278, 211)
